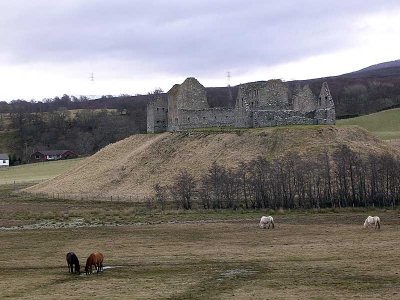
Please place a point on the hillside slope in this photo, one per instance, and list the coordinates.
(385, 124)
(385, 68)
(130, 168)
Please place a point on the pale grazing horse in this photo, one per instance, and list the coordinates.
(267, 221)
(373, 221)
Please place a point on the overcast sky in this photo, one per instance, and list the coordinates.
(49, 48)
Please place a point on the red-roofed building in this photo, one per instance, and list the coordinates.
(49, 155)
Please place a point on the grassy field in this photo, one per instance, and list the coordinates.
(385, 124)
(193, 255)
(36, 172)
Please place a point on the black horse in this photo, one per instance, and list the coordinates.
(72, 260)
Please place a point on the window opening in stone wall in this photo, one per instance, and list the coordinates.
(242, 102)
(157, 108)
(188, 118)
(204, 118)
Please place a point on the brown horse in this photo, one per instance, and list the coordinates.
(96, 260)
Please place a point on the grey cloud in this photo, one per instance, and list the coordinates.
(180, 37)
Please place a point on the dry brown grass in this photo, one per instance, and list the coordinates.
(131, 167)
(309, 256)
(395, 143)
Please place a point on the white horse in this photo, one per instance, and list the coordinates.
(373, 221)
(267, 221)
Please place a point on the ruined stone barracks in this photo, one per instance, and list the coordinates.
(254, 104)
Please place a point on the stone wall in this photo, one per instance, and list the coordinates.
(254, 97)
(304, 100)
(250, 94)
(268, 118)
(243, 118)
(172, 108)
(192, 95)
(325, 99)
(211, 117)
(275, 95)
(267, 95)
(325, 116)
(325, 113)
(157, 111)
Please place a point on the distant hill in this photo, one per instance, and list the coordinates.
(131, 167)
(390, 68)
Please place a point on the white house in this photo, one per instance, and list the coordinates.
(4, 160)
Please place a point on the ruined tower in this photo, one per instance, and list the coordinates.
(325, 112)
(258, 104)
(157, 111)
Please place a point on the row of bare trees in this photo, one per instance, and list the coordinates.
(340, 179)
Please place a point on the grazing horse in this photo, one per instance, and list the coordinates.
(96, 260)
(373, 221)
(72, 260)
(267, 221)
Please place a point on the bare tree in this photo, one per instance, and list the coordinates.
(161, 196)
(182, 189)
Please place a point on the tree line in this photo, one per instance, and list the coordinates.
(342, 179)
(68, 122)
(360, 95)
(84, 132)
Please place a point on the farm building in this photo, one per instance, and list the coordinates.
(49, 155)
(4, 160)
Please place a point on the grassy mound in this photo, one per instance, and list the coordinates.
(130, 168)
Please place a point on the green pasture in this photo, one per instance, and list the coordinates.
(385, 124)
(36, 172)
